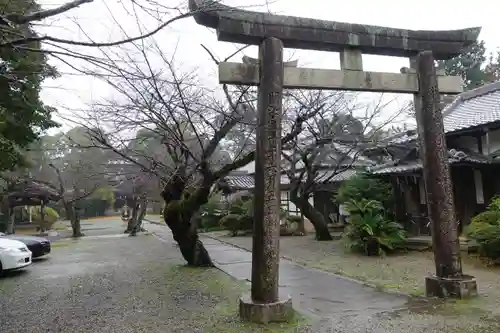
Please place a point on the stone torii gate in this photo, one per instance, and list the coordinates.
(274, 32)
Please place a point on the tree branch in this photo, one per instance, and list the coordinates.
(45, 38)
(42, 14)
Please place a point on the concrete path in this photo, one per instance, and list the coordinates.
(313, 291)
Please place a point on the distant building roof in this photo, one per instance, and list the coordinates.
(473, 108)
(240, 181)
(454, 156)
(470, 109)
(246, 182)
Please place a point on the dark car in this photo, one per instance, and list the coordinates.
(37, 245)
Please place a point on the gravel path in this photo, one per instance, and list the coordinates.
(120, 284)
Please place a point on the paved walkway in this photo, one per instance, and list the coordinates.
(313, 291)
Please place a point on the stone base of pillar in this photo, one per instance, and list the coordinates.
(460, 288)
(277, 312)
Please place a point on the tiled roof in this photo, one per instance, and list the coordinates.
(388, 168)
(329, 176)
(454, 156)
(240, 181)
(473, 108)
(399, 138)
(246, 182)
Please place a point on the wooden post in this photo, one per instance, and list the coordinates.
(264, 303)
(351, 59)
(437, 172)
(449, 279)
(265, 252)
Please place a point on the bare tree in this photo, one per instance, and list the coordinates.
(74, 166)
(331, 145)
(136, 188)
(14, 35)
(183, 130)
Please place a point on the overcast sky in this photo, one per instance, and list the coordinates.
(103, 20)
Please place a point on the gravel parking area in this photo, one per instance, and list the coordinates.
(120, 284)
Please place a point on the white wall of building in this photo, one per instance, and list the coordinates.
(292, 209)
(470, 143)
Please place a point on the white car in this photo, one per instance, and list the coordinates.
(13, 255)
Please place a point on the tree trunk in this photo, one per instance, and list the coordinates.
(178, 215)
(77, 227)
(133, 217)
(314, 216)
(74, 219)
(42, 217)
(301, 228)
(137, 226)
(142, 214)
(9, 228)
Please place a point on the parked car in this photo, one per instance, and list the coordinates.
(13, 255)
(37, 245)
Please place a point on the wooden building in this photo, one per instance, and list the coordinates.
(472, 127)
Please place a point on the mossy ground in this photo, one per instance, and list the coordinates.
(403, 273)
(224, 292)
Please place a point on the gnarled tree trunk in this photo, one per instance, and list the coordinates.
(42, 217)
(138, 217)
(313, 215)
(133, 216)
(69, 206)
(74, 219)
(9, 228)
(179, 210)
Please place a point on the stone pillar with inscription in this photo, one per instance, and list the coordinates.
(449, 280)
(265, 304)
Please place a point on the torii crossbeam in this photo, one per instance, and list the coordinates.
(250, 27)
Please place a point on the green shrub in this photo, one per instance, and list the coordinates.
(494, 204)
(294, 218)
(365, 186)
(369, 230)
(236, 223)
(488, 217)
(211, 213)
(240, 215)
(485, 230)
(51, 217)
(240, 206)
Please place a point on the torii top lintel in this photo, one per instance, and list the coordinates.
(250, 27)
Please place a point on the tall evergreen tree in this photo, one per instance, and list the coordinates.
(23, 116)
(473, 65)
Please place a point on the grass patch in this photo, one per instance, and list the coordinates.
(59, 244)
(58, 228)
(97, 218)
(26, 231)
(224, 291)
(212, 229)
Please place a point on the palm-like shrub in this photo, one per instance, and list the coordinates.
(369, 230)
